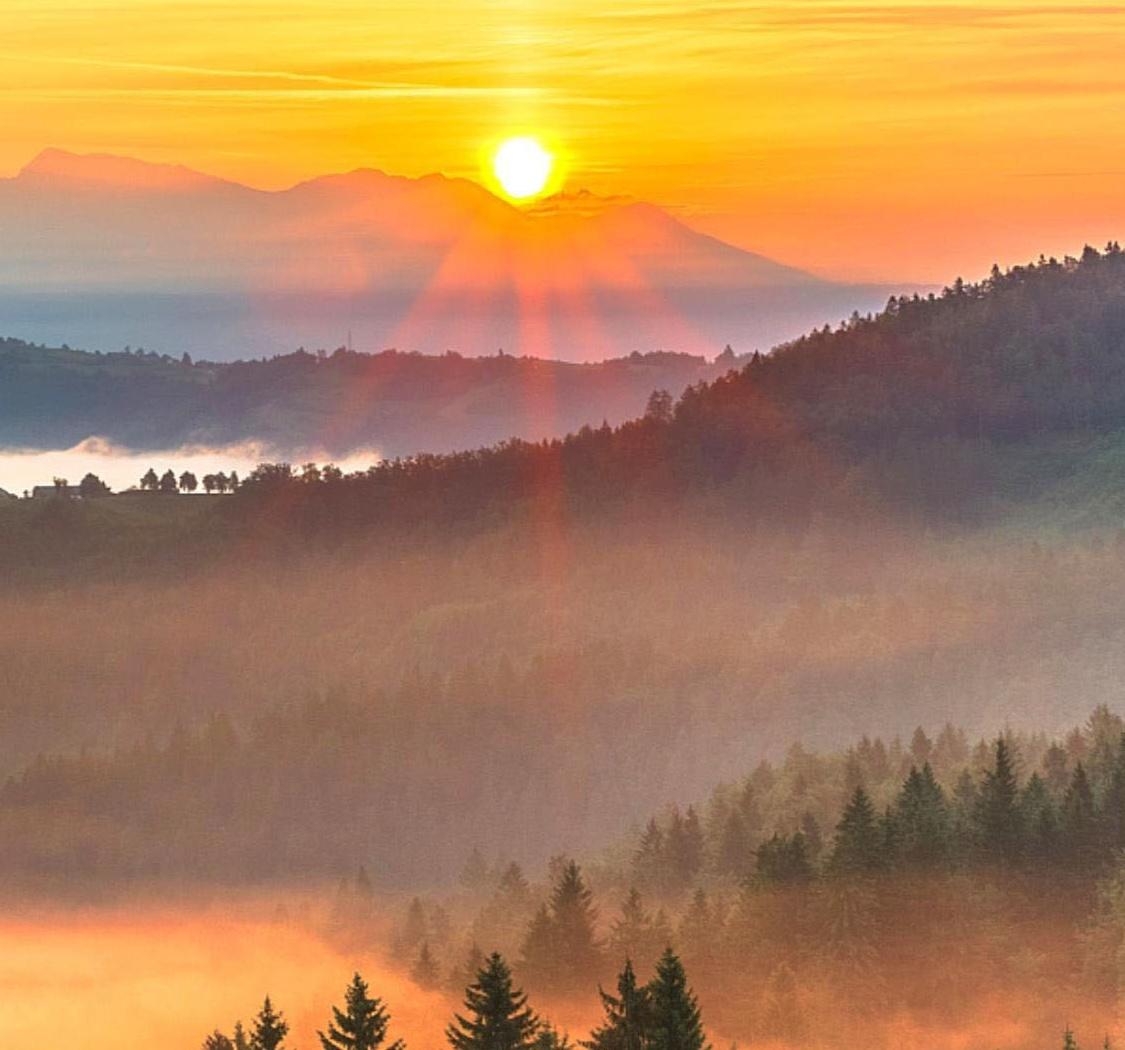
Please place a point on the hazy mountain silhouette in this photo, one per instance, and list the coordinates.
(395, 403)
(103, 251)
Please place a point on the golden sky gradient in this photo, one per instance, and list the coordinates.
(906, 141)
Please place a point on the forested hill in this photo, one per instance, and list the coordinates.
(988, 393)
(393, 403)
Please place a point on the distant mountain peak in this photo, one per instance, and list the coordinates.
(115, 170)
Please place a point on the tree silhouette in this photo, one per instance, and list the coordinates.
(676, 1022)
(361, 1025)
(628, 1022)
(269, 1029)
(496, 1015)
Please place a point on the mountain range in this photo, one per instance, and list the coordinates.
(103, 251)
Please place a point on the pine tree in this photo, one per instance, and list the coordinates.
(217, 1041)
(649, 859)
(539, 958)
(701, 933)
(475, 873)
(921, 818)
(361, 1025)
(550, 1038)
(462, 976)
(997, 811)
(734, 855)
(814, 840)
(1039, 819)
(575, 921)
(414, 931)
(239, 1037)
(497, 1016)
(627, 1022)
(676, 1023)
(1113, 802)
(684, 849)
(1080, 825)
(859, 838)
(635, 934)
(1069, 1042)
(782, 859)
(425, 971)
(269, 1029)
(561, 951)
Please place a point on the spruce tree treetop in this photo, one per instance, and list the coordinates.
(361, 1025)
(859, 839)
(675, 1019)
(997, 807)
(627, 1021)
(496, 1016)
(269, 1029)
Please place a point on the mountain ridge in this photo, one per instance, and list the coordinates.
(107, 251)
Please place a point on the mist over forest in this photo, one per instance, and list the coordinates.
(805, 656)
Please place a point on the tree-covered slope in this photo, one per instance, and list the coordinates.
(332, 404)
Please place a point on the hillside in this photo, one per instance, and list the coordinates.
(328, 404)
(106, 251)
(911, 520)
(955, 406)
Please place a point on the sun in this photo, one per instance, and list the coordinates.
(522, 167)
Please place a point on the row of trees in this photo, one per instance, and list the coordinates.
(660, 1015)
(169, 484)
(934, 803)
(992, 819)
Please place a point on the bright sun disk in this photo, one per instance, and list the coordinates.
(522, 167)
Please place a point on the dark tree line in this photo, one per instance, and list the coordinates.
(661, 1015)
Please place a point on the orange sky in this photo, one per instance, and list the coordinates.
(908, 141)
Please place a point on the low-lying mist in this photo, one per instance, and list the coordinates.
(525, 690)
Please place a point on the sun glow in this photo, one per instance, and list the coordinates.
(522, 167)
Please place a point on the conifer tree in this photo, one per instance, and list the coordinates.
(425, 971)
(414, 929)
(1079, 818)
(675, 1019)
(921, 818)
(550, 1038)
(217, 1041)
(627, 1022)
(496, 1016)
(633, 935)
(1113, 803)
(782, 859)
(684, 848)
(361, 1025)
(462, 976)
(859, 838)
(239, 1037)
(997, 810)
(649, 862)
(561, 951)
(734, 855)
(701, 932)
(1038, 818)
(269, 1029)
